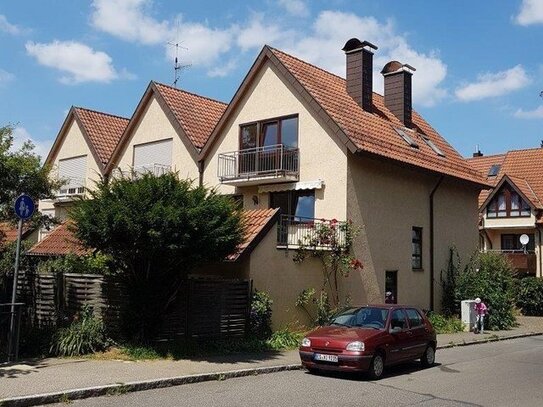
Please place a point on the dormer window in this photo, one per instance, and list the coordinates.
(493, 171)
(507, 203)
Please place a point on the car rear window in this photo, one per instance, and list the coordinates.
(414, 317)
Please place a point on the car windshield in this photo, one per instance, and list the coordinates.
(365, 317)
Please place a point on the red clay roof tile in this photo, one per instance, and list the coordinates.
(59, 242)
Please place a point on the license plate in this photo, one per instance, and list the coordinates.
(326, 358)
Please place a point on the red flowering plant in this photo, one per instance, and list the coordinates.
(329, 241)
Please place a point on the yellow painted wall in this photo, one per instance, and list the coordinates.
(321, 155)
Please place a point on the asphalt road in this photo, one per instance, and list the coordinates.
(505, 373)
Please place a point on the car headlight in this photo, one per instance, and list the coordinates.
(356, 346)
(306, 343)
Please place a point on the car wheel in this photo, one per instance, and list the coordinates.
(312, 370)
(429, 357)
(377, 367)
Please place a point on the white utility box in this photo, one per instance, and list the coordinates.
(468, 314)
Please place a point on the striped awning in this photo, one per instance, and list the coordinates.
(291, 186)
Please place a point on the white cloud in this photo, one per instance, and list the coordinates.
(21, 135)
(530, 114)
(9, 28)
(223, 70)
(79, 62)
(126, 19)
(531, 12)
(494, 84)
(257, 33)
(294, 7)
(5, 77)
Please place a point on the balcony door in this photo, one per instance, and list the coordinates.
(269, 157)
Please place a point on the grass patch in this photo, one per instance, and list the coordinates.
(445, 325)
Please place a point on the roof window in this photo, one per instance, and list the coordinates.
(403, 134)
(432, 145)
(493, 171)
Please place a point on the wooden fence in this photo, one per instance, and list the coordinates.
(205, 307)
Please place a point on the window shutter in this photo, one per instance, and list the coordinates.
(73, 171)
(150, 154)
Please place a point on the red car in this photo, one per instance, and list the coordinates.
(366, 339)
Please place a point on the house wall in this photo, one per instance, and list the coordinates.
(321, 155)
(154, 125)
(73, 145)
(386, 200)
(514, 222)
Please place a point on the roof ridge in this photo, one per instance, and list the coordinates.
(99, 112)
(190, 93)
(485, 156)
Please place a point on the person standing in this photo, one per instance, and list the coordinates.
(480, 312)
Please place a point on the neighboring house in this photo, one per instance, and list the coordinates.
(79, 156)
(298, 145)
(8, 234)
(513, 207)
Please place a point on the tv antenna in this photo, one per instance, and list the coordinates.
(177, 66)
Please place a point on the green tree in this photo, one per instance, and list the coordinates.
(157, 230)
(21, 171)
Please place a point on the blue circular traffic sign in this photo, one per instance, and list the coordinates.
(24, 207)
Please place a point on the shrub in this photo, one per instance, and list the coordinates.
(285, 339)
(86, 334)
(445, 325)
(260, 318)
(529, 296)
(490, 277)
(92, 264)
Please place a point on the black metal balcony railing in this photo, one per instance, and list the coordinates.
(272, 161)
(296, 231)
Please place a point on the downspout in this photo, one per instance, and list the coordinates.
(201, 173)
(539, 253)
(432, 242)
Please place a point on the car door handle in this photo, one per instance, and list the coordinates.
(409, 333)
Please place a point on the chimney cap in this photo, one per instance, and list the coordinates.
(395, 66)
(354, 44)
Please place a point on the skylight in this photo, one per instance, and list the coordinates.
(493, 171)
(407, 138)
(433, 146)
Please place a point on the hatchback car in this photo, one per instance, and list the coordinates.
(369, 338)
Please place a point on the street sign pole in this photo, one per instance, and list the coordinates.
(12, 354)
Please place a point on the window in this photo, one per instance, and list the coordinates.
(415, 320)
(391, 287)
(431, 144)
(155, 157)
(416, 248)
(397, 320)
(271, 132)
(493, 171)
(72, 171)
(300, 204)
(512, 242)
(507, 203)
(403, 134)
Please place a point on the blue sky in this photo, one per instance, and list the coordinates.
(479, 64)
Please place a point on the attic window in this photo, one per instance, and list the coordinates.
(493, 171)
(432, 146)
(407, 138)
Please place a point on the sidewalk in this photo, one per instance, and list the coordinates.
(99, 377)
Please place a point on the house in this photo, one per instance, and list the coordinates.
(298, 146)
(513, 207)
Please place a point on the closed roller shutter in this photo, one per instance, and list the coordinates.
(73, 171)
(155, 157)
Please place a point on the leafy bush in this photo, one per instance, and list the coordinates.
(91, 264)
(529, 296)
(445, 325)
(490, 277)
(285, 339)
(85, 334)
(260, 318)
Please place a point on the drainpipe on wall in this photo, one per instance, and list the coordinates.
(432, 242)
(201, 173)
(539, 254)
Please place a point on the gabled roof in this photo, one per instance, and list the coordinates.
(101, 131)
(361, 131)
(59, 242)
(523, 168)
(257, 224)
(8, 233)
(193, 117)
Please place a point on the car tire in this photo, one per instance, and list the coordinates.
(312, 370)
(377, 367)
(428, 357)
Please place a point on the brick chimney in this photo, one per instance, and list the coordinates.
(398, 90)
(359, 73)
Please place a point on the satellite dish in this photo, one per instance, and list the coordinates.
(524, 239)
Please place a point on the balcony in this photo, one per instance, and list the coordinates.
(294, 232)
(259, 165)
(155, 169)
(524, 262)
(72, 187)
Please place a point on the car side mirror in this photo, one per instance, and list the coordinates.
(395, 330)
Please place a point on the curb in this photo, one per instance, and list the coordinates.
(488, 340)
(122, 388)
